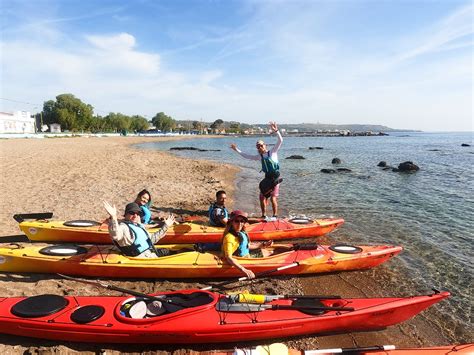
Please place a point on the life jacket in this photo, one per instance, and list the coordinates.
(212, 217)
(146, 214)
(269, 166)
(243, 248)
(141, 241)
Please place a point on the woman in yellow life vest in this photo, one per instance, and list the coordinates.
(236, 241)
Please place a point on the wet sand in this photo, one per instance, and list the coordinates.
(71, 177)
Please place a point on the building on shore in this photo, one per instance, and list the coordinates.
(17, 122)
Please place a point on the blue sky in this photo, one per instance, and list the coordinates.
(399, 63)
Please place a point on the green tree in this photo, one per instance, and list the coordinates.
(234, 127)
(217, 125)
(48, 112)
(118, 122)
(139, 123)
(70, 112)
(97, 124)
(163, 122)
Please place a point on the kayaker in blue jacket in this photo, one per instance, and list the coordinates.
(144, 201)
(218, 214)
(131, 236)
(270, 186)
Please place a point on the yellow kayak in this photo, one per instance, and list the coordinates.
(80, 231)
(106, 261)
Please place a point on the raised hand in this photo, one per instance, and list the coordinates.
(169, 221)
(111, 210)
(273, 126)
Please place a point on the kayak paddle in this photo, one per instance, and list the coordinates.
(350, 350)
(115, 288)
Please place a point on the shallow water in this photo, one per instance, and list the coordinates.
(429, 212)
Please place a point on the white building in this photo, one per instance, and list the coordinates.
(17, 122)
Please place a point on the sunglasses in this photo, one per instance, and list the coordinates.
(260, 145)
(239, 221)
(134, 213)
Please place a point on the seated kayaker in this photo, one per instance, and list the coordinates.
(131, 237)
(218, 214)
(143, 200)
(236, 241)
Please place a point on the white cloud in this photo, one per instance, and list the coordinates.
(314, 79)
(115, 43)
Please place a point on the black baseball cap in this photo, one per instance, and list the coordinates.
(133, 207)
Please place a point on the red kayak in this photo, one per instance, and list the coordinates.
(197, 316)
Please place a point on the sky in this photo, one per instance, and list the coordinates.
(405, 64)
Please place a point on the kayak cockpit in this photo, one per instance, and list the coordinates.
(142, 310)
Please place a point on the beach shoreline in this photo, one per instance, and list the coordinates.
(71, 177)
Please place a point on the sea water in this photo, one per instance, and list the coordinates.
(429, 212)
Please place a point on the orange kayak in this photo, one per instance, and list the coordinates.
(106, 261)
(53, 231)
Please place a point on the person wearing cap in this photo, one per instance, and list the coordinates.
(218, 214)
(236, 241)
(270, 186)
(130, 235)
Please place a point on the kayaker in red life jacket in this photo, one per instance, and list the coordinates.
(236, 241)
(270, 186)
(131, 237)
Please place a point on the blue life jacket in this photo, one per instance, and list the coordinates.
(141, 241)
(269, 165)
(146, 214)
(212, 217)
(243, 248)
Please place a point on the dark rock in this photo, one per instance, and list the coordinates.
(387, 168)
(194, 148)
(382, 164)
(434, 150)
(295, 157)
(311, 148)
(344, 170)
(465, 145)
(184, 148)
(336, 161)
(328, 171)
(408, 166)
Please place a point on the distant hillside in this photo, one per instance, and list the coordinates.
(310, 127)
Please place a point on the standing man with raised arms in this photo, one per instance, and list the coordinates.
(270, 185)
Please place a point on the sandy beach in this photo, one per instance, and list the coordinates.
(71, 177)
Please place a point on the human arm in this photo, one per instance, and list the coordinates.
(219, 216)
(118, 232)
(274, 128)
(234, 147)
(229, 246)
(169, 221)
